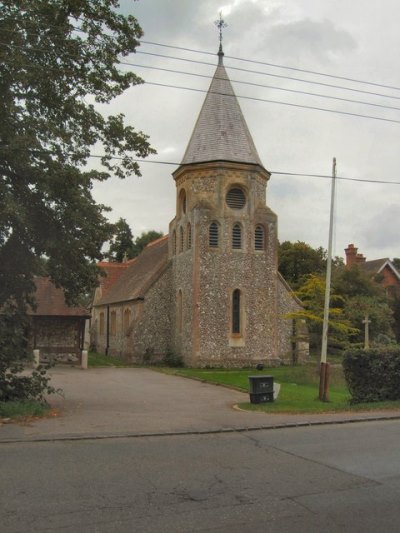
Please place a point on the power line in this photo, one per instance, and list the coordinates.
(289, 104)
(276, 172)
(35, 49)
(272, 75)
(314, 108)
(318, 95)
(176, 164)
(286, 67)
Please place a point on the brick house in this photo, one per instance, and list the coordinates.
(210, 290)
(382, 269)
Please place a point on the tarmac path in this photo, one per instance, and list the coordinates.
(106, 402)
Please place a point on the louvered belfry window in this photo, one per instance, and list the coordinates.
(213, 235)
(181, 240)
(189, 236)
(236, 311)
(236, 198)
(237, 237)
(259, 239)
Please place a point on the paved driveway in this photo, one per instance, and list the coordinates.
(136, 401)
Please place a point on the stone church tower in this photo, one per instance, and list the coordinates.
(209, 291)
(224, 245)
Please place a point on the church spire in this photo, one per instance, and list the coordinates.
(221, 132)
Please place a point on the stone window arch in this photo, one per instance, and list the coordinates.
(182, 203)
(127, 320)
(189, 236)
(113, 323)
(237, 236)
(181, 239)
(213, 235)
(174, 242)
(235, 197)
(236, 312)
(259, 237)
(101, 326)
(179, 311)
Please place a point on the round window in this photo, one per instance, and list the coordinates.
(235, 198)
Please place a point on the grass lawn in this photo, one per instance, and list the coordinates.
(22, 409)
(99, 360)
(298, 393)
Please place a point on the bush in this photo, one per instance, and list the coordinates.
(14, 386)
(173, 360)
(373, 375)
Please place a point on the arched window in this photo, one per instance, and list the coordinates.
(259, 238)
(182, 202)
(181, 239)
(189, 236)
(127, 319)
(174, 242)
(236, 311)
(213, 235)
(236, 198)
(179, 311)
(113, 323)
(237, 236)
(101, 327)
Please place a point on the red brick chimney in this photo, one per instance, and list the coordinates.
(351, 255)
(360, 258)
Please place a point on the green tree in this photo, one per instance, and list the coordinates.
(296, 260)
(121, 243)
(58, 59)
(144, 239)
(312, 296)
(378, 311)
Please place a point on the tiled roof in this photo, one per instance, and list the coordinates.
(221, 133)
(50, 301)
(139, 274)
(377, 265)
(113, 272)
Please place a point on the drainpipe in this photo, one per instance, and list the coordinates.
(108, 330)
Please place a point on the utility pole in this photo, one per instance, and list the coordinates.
(324, 366)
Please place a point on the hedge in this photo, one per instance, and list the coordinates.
(372, 375)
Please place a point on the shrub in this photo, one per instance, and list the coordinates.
(373, 375)
(173, 360)
(14, 387)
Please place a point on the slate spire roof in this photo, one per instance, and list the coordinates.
(221, 132)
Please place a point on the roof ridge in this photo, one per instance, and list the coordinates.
(156, 241)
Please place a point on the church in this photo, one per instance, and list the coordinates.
(210, 291)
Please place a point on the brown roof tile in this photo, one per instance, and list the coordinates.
(50, 301)
(139, 275)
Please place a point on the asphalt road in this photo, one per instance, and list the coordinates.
(306, 479)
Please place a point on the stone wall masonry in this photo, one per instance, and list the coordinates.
(147, 339)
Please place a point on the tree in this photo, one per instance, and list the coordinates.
(121, 243)
(144, 239)
(58, 59)
(312, 296)
(296, 260)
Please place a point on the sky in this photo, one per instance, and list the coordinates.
(357, 39)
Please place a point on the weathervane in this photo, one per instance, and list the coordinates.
(220, 24)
